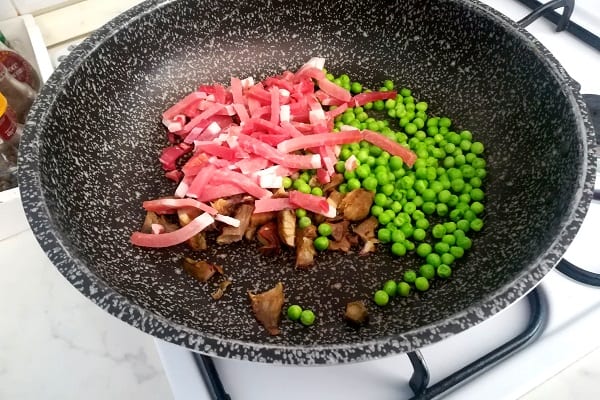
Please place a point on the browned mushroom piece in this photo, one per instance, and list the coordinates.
(366, 229)
(232, 234)
(339, 229)
(228, 205)
(267, 307)
(221, 287)
(305, 250)
(286, 224)
(200, 269)
(335, 198)
(369, 247)
(356, 313)
(340, 245)
(269, 238)
(151, 218)
(185, 216)
(256, 221)
(356, 205)
(336, 180)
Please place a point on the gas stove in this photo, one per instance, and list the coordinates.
(507, 355)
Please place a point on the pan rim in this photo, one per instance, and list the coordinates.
(108, 298)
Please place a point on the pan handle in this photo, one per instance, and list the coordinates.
(540, 9)
(562, 21)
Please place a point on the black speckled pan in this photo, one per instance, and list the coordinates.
(89, 158)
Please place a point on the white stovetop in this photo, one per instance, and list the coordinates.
(54, 343)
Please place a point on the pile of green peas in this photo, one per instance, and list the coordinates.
(296, 313)
(429, 209)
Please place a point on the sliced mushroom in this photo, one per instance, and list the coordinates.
(335, 198)
(153, 218)
(267, 235)
(200, 269)
(267, 308)
(256, 221)
(340, 245)
(356, 205)
(339, 229)
(185, 216)
(221, 287)
(356, 313)
(227, 206)
(232, 234)
(305, 250)
(286, 224)
(336, 180)
(366, 229)
(369, 247)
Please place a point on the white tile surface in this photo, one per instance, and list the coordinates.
(7, 10)
(56, 344)
(36, 6)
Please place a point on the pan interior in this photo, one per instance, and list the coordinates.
(100, 143)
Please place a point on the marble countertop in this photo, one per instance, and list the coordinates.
(56, 344)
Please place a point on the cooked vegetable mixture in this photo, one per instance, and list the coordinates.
(317, 163)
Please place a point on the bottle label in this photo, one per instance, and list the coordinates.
(8, 127)
(19, 68)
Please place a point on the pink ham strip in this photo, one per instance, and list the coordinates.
(274, 105)
(177, 108)
(200, 181)
(363, 98)
(390, 146)
(331, 114)
(334, 90)
(209, 112)
(221, 176)
(266, 205)
(309, 202)
(291, 129)
(167, 206)
(262, 149)
(241, 112)
(237, 91)
(196, 226)
(215, 149)
(317, 140)
(253, 164)
(219, 192)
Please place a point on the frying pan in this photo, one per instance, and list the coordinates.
(90, 151)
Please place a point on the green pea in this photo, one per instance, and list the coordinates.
(317, 191)
(381, 298)
(287, 182)
(419, 234)
(433, 259)
(294, 312)
(457, 251)
(390, 287)
(355, 87)
(421, 284)
(427, 271)
(447, 258)
(398, 236)
(444, 271)
(398, 249)
(384, 235)
(307, 317)
(409, 276)
(403, 289)
(324, 229)
(321, 243)
(424, 249)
